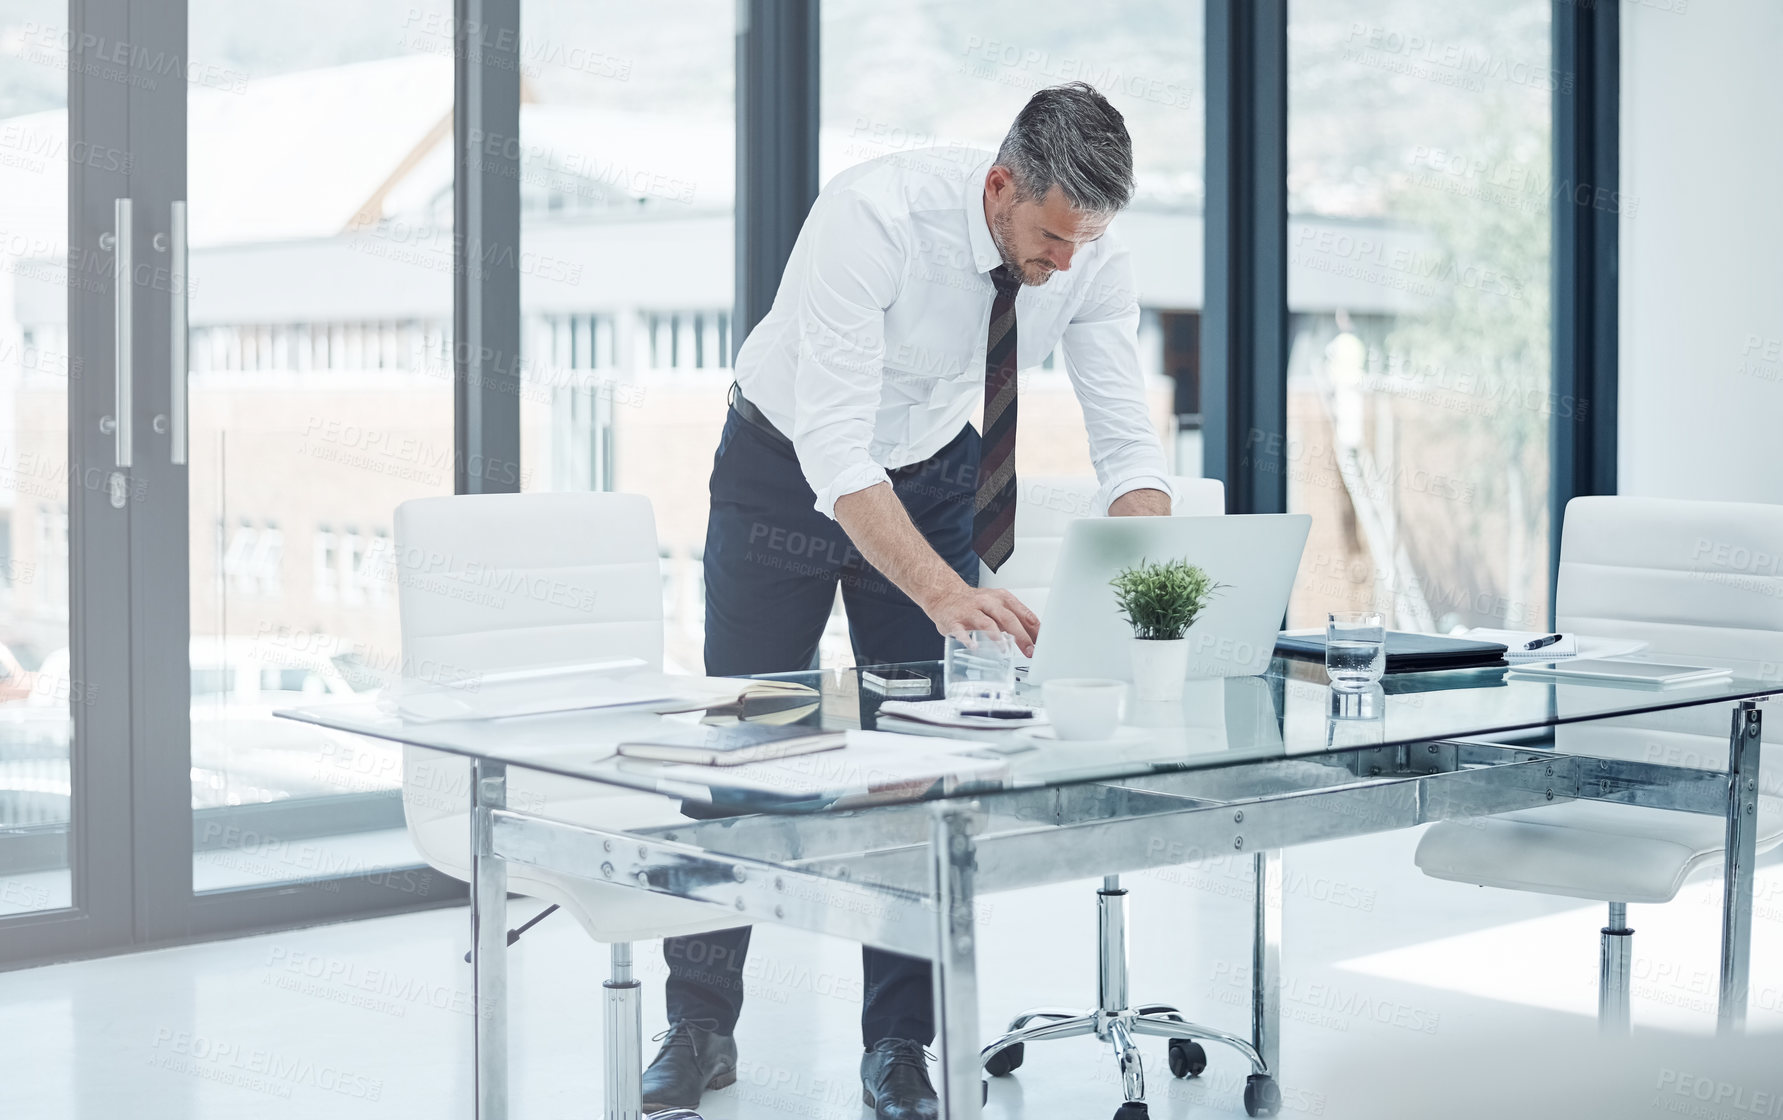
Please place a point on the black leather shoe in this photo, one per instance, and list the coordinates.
(895, 1081)
(693, 1058)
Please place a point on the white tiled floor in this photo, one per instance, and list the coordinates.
(1403, 997)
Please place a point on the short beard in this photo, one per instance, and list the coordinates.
(1001, 226)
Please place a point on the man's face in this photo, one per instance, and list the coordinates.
(1036, 239)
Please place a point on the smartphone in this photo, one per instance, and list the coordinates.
(896, 682)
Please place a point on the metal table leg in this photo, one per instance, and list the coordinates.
(1742, 837)
(953, 859)
(1266, 994)
(489, 942)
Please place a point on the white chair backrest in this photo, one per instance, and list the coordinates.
(490, 582)
(495, 582)
(1690, 578)
(1045, 506)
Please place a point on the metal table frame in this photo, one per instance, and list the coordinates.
(905, 877)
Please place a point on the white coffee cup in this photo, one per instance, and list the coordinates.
(1084, 707)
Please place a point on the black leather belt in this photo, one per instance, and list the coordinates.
(753, 415)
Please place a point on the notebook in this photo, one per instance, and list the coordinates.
(734, 745)
(1406, 653)
(1516, 643)
(952, 713)
(1569, 645)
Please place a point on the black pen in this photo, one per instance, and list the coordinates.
(1547, 641)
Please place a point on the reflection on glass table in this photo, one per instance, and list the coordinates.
(892, 851)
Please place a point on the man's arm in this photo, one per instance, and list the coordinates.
(1101, 346)
(1141, 503)
(876, 522)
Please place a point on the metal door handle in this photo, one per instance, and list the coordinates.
(122, 281)
(178, 388)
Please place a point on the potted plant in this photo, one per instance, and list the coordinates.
(1161, 601)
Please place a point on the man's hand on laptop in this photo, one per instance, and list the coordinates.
(965, 607)
(876, 522)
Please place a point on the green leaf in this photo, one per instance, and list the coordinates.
(1164, 599)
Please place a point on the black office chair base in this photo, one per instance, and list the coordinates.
(1262, 1097)
(1119, 1025)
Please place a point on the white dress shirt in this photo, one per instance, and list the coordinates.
(873, 354)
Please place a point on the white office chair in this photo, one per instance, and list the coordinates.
(1044, 507)
(1636, 568)
(465, 567)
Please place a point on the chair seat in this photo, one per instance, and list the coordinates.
(608, 913)
(1585, 849)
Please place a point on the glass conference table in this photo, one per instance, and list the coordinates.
(1252, 765)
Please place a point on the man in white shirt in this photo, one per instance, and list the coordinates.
(920, 284)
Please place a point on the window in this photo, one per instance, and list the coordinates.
(377, 570)
(688, 339)
(326, 572)
(51, 564)
(352, 555)
(268, 562)
(628, 168)
(1418, 378)
(212, 681)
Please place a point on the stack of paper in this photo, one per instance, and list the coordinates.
(874, 763)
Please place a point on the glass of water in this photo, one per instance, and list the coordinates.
(1355, 648)
(980, 666)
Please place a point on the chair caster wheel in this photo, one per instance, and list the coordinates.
(1006, 1061)
(1132, 1110)
(1261, 1095)
(1187, 1058)
(984, 1093)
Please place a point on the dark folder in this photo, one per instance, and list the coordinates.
(1406, 653)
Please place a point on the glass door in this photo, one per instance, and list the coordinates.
(226, 295)
(65, 880)
(36, 766)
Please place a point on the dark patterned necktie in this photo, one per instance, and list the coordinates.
(993, 518)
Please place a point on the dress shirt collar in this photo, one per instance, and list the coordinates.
(984, 247)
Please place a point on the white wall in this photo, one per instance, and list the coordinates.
(1702, 249)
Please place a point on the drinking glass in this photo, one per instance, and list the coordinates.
(1355, 648)
(980, 666)
(1356, 717)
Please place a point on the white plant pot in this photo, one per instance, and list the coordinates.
(1159, 668)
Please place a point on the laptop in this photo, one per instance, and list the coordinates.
(1256, 556)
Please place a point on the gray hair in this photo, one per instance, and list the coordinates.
(1069, 136)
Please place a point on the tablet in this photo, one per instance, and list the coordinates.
(1654, 674)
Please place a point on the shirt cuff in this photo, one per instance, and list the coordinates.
(848, 481)
(1111, 492)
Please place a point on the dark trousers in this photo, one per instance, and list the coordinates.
(772, 564)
